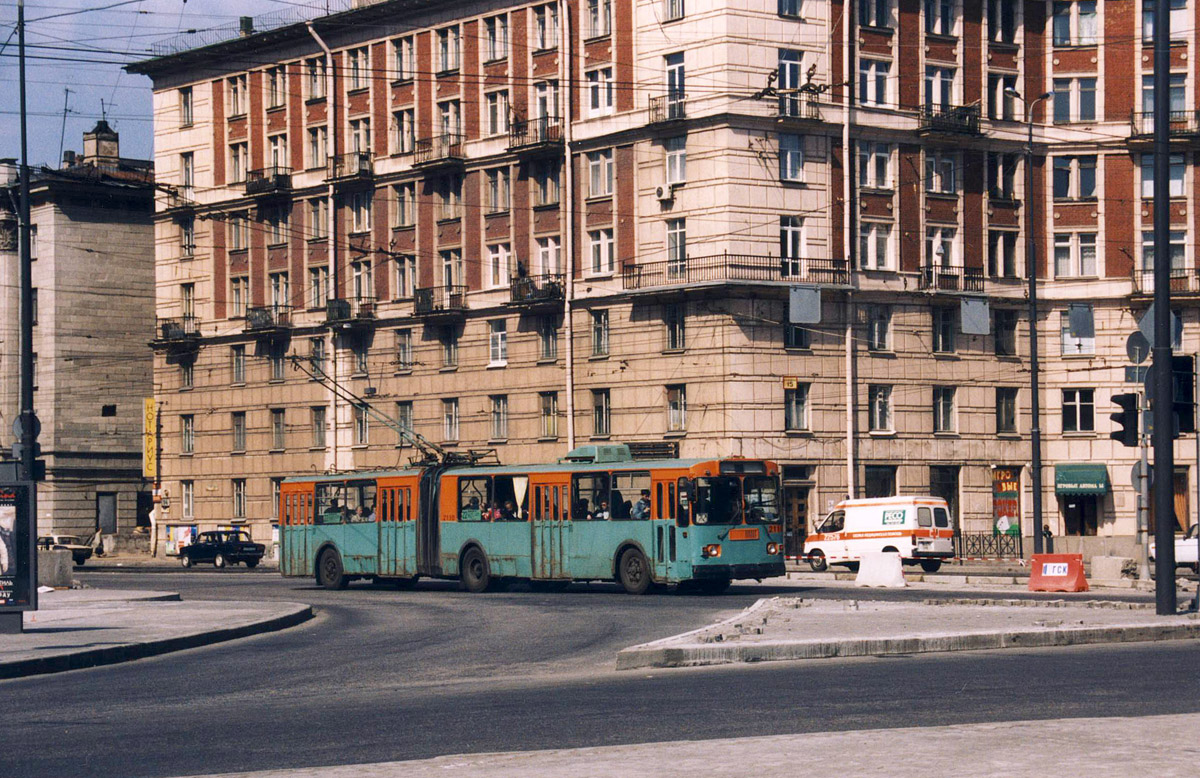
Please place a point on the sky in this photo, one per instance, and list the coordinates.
(104, 34)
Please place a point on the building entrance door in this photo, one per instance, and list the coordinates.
(106, 513)
(795, 507)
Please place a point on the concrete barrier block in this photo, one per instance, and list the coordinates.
(880, 568)
(1110, 569)
(54, 568)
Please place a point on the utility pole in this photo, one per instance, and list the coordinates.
(1143, 485)
(1163, 394)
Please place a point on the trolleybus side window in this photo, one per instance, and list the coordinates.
(591, 498)
(658, 500)
(627, 490)
(762, 499)
(510, 495)
(941, 518)
(671, 499)
(331, 504)
(360, 501)
(474, 498)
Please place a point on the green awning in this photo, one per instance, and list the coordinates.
(1080, 479)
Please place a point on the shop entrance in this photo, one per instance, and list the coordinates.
(797, 488)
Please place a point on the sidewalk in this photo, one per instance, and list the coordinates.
(75, 628)
(147, 563)
(1099, 747)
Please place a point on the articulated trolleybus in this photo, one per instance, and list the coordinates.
(596, 515)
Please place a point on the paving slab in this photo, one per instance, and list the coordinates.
(1096, 747)
(78, 628)
(787, 628)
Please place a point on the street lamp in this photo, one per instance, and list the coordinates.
(1035, 431)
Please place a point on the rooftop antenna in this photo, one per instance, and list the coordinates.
(63, 134)
(103, 111)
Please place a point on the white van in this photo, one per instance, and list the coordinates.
(918, 528)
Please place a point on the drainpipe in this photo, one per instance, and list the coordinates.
(848, 235)
(564, 79)
(331, 462)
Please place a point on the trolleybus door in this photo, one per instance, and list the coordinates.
(550, 531)
(394, 532)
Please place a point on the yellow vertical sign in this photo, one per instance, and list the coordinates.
(150, 439)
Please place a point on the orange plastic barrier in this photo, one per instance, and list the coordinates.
(1057, 573)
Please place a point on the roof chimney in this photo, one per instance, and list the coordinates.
(68, 160)
(100, 146)
(246, 26)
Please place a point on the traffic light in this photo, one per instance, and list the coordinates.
(1126, 419)
(1184, 384)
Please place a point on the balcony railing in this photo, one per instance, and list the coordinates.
(350, 311)
(734, 267)
(1179, 123)
(956, 119)
(268, 317)
(270, 180)
(356, 164)
(1183, 281)
(440, 299)
(535, 290)
(797, 105)
(536, 132)
(183, 328)
(951, 278)
(668, 108)
(439, 150)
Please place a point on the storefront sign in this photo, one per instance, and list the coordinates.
(150, 439)
(17, 560)
(1006, 500)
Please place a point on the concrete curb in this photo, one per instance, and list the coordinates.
(131, 651)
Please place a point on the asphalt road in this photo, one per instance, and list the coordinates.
(388, 675)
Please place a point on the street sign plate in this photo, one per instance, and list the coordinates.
(1136, 374)
(1135, 475)
(1137, 347)
(1146, 326)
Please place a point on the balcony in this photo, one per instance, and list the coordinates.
(949, 119)
(1183, 281)
(355, 313)
(440, 302)
(939, 278)
(269, 319)
(734, 267)
(668, 108)
(538, 292)
(179, 338)
(269, 181)
(541, 132)
(439, 151)
(355, 166)
(1181, 125)
(797, 105)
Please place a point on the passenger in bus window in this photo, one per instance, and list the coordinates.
(509, 511)
(641, 509)
(603, 514)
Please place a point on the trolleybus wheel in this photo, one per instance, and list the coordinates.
(816, 560)
(474, 572)
(330, 573)
(219, 561)
(931, 565)
(634, 572)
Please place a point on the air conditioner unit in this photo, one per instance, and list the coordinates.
(665, 193)
(370, 391)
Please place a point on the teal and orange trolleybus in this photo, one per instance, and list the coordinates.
(598, 514)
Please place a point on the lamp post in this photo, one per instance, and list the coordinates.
(1035, 430)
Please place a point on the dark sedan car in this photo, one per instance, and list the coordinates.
(222, 548)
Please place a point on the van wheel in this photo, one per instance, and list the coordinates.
(931, 565)
(891, 550)
(816, 560)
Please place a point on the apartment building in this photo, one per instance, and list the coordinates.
(786, 229)
(92, 240)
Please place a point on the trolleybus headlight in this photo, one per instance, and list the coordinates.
(772, 549)
(712, 550)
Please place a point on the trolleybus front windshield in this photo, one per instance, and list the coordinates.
(722, 500)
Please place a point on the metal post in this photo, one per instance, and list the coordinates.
(1143, 487)
(1163, 394)
(1196, 474)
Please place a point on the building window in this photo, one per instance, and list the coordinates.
(796, 336)
(449, 191)
(497, 342)
(549, 252)
(1075, 255)
(318, 218)
(360, 211)
(404, 350)
(1074, 23)
(362, 425)
(360, 352)
(874, 165)
(404, 131)
(874, 77)
(676, 248)
(675, 326)
(677, 408)
(450, 420)
(1006, 410)
(792, 244)
(944, 417)
(449, 341)
(314, 71)
(1002, 174)
(599, 333)
(1005, 337)
(675, 150)
(599, 18)
(498, 266)
(406, 205)
(495, 32)
(795, 409)
(601, 246)
(879, 480)
(238, 97)
(600, 91)
(280, 294)
(278, 429)
(939, 172)
(1001, 103)
(187, 375)
(673, 10)
(875, 13)
(499, 416)
(497, 190)
(318, 286)
(1074, 100)
(545, 27)
(600, 173)
(185, 107)
(360, 135)
(497, 112)
(237, 363)
(450, 117)
(452, 267)
(404, 62)
(188, 498)
(318, 147)
(875, 246)
(601, 412)
(318, 426)
(1177, 169)
(1074, 178)
(187, 437)
(187, 175)
(1002, 20)
(404, 419)
(1078, 410)
(939, 86)
(448, 49)
(238, 422)
(1002, 253)
(316, 355)
(791, 157)
(358, 68)
(548, 338)
(239, 498)
(945, 321)
(879, 405)
(239, 296)
(276, 218)
(940, 247)
(239, 155)
(879, 328)
(939, 17)
(276, 86)
(1178, 22)
(546, 181)
(362, 276)
(549, 414)
(406, 275)
(1081, 342)
(1178, 247)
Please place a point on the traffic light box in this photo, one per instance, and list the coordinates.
(1183, 381)
(1125, 421)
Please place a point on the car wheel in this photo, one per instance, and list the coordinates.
(330, 573)
(476, 577)
(816, 560)
(634, 572)
(185, 560)
(79, 560)
(251, 563)
(219, 561)
(931, 565)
